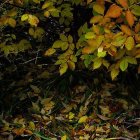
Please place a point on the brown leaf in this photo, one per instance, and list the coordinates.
(125, 29)
(103, 117)
(114, 11)
(137, 27)
(130, 18)
(123, 3)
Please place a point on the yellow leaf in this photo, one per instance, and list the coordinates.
(31, 125)
(137, 27)
(129, 17)
(64, 137)
(46, 13)
(31, 31)
(87, 50)
(12, 22)
(46, 4)
(71, 65)
(83, 119)
(96, 19)
(90, 35)
(97, 63)
(123, 3)
(125, 29)
(50, 51)
(123, 64)
(130, 43)
(114, 73)
(24, 17)
(137, 38)
(33, 20)
(71, 115)
(36, 1)
(114, 11)
(98, 8)
(63, 68)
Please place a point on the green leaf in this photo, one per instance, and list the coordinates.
(136, 10)
(63, 37)
(90, 35)
(70, 39)
(131, 60)
(123, 64)
(98, 8)
(58, 44)
(130, 43)
(114, 73)
(101, 54)
(97, 63)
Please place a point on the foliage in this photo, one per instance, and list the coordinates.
(110, 38)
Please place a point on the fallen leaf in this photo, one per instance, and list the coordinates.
(83, 119)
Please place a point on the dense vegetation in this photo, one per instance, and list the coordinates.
(70, 62)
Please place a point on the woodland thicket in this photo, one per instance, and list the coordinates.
(52, 50)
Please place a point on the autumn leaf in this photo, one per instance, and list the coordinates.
(83, 119)
(33, 20)
(31, 125)
(130, 43)
(129, 17)
(12, 22)
(137, 27)
(63, 68)
(64, 137)
(87, 50)
(97, 63)
(125, 29)
(123, 3)
(90, 35)
(50, 51)
(96, 19)
(71, 65)
(24, 17)
(123, 64)
(46, 13)
(114, 11)
(98, 8)
(114, 73)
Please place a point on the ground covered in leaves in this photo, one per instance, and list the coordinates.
(36, 112)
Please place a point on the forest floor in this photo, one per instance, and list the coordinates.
(36, 112)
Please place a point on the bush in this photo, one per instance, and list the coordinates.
(91, 34)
